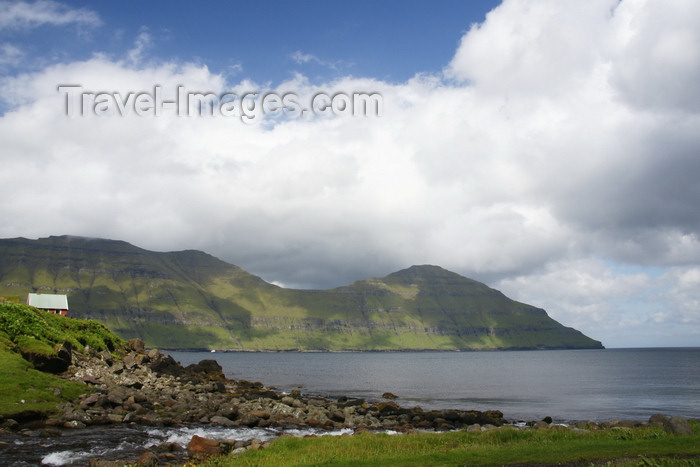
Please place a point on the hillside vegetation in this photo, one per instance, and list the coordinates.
(189, 299)
(42, 337)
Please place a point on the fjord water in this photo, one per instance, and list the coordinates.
(568, 385)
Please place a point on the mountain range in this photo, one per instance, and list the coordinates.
(192, 300)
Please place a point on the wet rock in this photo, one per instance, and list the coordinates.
(10, 424)
(50, 433)
(450, 415)
(74, 424)
(337, 416)
(223, 421)
(168, 447)
(389, 395)
(205, 370)
(201, 448)
(248, 420)
(494, 417)
(388, 408)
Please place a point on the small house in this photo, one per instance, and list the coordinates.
(52, 303)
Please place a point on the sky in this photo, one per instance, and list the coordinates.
(548, 148)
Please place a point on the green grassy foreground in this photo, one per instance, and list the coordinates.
(26, 329)
(643, 446)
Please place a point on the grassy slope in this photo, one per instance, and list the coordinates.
(24, 328)
(499, 447)
(191, 299)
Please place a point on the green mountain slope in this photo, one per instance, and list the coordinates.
(189, 299)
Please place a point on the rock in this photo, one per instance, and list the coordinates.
(547, 419)
(658, 420)
(205, 370)
(114, 418)
(10, 424)
(219, 420)
(624, 423)
(248, 420)
(388, 408)
(168, 447)
(201, 448)
(255, 444)
(450, 415)
(147, 459)
(540, 425)
(50, 433)
(389, 395)
(337, 416)
(101, 463)
(678, 426)
(74, 424)
(475, 428)
(134, 359)
(137, 345)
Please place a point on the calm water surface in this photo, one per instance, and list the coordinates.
(567, 385)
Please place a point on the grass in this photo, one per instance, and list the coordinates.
(20, 382)
(25, 329)
(644, 446)
(22, 323)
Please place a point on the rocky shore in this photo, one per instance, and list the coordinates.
(147, 387)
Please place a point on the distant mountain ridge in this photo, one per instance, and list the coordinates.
(190, 299)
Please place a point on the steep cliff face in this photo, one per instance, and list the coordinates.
(189, 299)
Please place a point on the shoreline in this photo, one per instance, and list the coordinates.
(146, 389)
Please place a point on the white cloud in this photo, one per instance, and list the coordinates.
(540, 162)
(142, 43)
(24, 15)
(9, 54)
(301, 58)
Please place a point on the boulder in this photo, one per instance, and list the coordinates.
(658, 420)
(201, 448)
(137, 345)
(219, 420)
(148, 459)
(475, 428)
(678, 426)
(248, 420)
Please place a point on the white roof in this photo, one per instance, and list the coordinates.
(48, 301)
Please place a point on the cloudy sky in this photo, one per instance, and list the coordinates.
(548, 148)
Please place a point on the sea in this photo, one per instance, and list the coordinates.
(567, 385)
